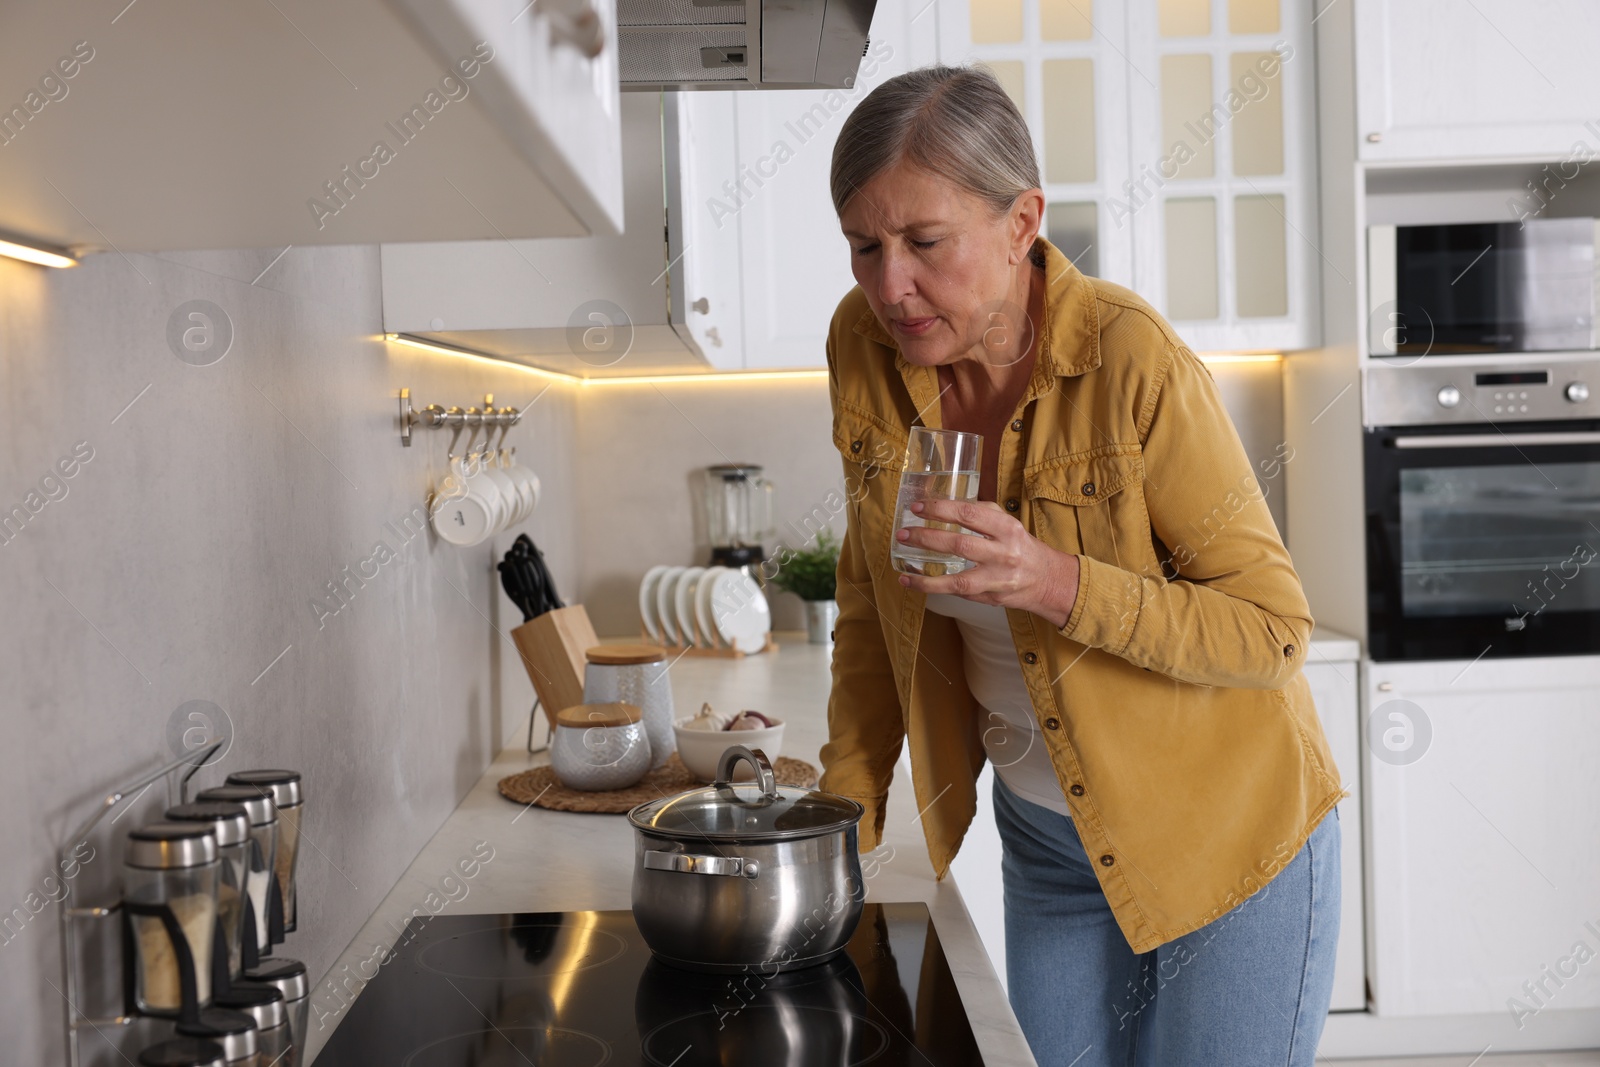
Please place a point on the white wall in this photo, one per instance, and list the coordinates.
(184, 557)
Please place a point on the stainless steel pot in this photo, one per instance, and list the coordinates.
(727, 879)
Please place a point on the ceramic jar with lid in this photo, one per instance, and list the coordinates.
(169, 896)
(637, 675)
(263, 813)
(290, 799)
(599, 746)
(231, 826)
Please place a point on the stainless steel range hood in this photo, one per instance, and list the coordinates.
(741, 44)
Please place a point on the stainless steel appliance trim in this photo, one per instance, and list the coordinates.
(1497, 440)
(689, 863)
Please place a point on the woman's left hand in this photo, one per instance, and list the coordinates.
(1013, 568)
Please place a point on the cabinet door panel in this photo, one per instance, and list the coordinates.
(1482, 818)
(1335, 690)
(1494, 78)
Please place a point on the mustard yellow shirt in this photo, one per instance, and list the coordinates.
(1178, 721)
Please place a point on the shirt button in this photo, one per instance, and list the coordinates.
(1288, 650)
(855, 446)
(1016, 424)
(1106, 860)
(1013, 504)
(1077, 790)
(1052, 723)
(1088, 489)
(1030, 658)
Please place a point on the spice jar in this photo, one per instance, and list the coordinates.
(289, 978)
(263, 812)
(233, 1030)
(265, 1006)
(637, 675)
(170, 898)
(286, 793)
(231, 826)
(183, 1052)
(599, 746)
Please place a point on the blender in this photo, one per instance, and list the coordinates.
(737, 505)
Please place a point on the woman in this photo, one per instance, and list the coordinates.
(1126, 648)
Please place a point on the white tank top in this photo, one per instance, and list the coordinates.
(1011, 737)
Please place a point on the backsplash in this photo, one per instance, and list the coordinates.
(246, 532)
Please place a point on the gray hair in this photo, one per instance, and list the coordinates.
(956, 122)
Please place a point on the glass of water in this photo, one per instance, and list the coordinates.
(940, 465)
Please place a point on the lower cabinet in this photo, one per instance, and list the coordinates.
(1483, 836)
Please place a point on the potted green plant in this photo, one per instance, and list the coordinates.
(810, 574)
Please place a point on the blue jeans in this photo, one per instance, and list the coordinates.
(1250, 988)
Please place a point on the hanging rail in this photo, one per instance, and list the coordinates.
(435, 417)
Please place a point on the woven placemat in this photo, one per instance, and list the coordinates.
(540, 786)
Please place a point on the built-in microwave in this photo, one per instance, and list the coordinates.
(1482, 287)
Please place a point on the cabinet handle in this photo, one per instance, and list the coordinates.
(576, 23)
(702, 305)
(1374, 138)
(1385, 687)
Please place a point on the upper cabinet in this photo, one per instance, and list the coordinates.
(198, 125)
(1507, 79)
(765, 262)
(1177, 140)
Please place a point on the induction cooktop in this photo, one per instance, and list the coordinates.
(581, 989)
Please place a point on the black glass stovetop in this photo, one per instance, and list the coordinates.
(580, 989)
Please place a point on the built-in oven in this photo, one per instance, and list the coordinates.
(1482, 287)
(1483, 509)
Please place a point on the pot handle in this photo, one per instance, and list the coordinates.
(757, 759)
(687, 863)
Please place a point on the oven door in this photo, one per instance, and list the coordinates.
(1483, 540)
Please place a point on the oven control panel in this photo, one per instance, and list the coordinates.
(1421, 394)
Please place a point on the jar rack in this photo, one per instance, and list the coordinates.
(435, 417)
(177, 793)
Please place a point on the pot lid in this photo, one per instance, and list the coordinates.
(757, 811)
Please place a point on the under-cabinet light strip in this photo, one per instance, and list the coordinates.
(721, 376)
(29, 252)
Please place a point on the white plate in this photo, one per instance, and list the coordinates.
(683, 605)
(647, 600)
(740, 611)
(702, 607)
(666, 615)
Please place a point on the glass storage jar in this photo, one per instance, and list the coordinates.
(263, 812)
(289, 978)
(169, 897)
(290, 799)
(231, 825)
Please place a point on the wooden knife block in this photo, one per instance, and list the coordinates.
(552, 647)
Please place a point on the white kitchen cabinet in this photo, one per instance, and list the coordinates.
(1482, 814)
(592, 307)
(199, 125)
(1177, 144)
(1444, 80)
(1333, 670)
(759, 226)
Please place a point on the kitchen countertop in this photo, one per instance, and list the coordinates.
(563, 861)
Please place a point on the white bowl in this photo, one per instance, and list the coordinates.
(701, 749)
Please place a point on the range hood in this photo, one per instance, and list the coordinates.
(741, 44)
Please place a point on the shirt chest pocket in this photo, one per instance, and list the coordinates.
(874, 454)
(1094, 507)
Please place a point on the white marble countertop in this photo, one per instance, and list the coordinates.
(1333, 646)
(559, 861)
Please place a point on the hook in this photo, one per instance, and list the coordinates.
(456, 433)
